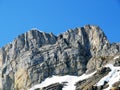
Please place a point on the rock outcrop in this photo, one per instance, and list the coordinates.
(55, 86)
(89, 84)
(36, 55)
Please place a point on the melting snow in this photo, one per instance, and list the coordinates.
(111, 78)
(67, 78)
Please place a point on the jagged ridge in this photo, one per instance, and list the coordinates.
(36, 55)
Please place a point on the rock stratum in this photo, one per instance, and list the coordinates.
(34, 56)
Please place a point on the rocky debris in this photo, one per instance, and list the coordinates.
(100, 61)
(36, 55)
(89, 84)
(56, 86)
(116, 86)
(96, 63)
(117, 60)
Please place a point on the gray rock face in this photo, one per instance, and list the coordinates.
(36, 55)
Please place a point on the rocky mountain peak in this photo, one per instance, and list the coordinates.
(34, 39)
(90, 37)
(35, 55)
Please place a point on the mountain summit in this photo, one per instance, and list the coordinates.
(34, 56)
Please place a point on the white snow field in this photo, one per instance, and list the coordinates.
(59, 79)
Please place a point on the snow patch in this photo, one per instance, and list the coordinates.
(111, 78)
(116, 57)
(70, 85)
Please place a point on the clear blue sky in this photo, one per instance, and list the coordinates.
(18, 16)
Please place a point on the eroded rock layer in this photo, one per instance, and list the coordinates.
(34, 56)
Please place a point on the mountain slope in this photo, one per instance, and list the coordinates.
(68, 80)
(107, 78)
(34, 56)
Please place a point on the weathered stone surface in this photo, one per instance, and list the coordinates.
(36, 55)
(116, 86)
(89, 84)
(56, 86)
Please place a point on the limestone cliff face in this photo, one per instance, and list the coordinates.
(36, 55)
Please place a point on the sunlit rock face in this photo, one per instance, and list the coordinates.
(35, 55)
